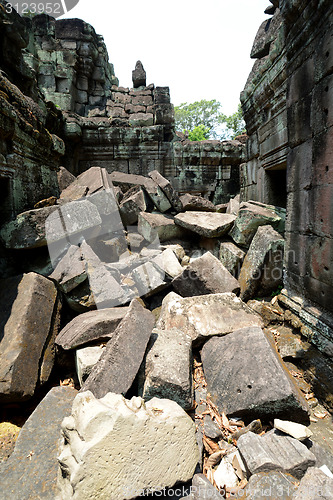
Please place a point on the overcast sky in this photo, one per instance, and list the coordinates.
(200, 49)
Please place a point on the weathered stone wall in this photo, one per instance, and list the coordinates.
(71, 64)
(207, 167)
(288, 109)
(30, 150)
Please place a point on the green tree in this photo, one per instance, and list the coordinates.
(235, 123)
(209, 117)
(199, 133)
(205, 113)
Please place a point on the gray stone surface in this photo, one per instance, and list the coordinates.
(247, 378)
(85, 359)
(167, 189)
(205, 275)
(148, 279)
(90, 326)
(104, 282)
(139, 75)
(231, 257)
(65, 178)
(131, 205)
(293, 429)
(202, 489)
(27, 323)
(250, 217)
(31, 471)
(168, 367)
(196, 203)
(206, 315)
(123, 354)
(274, 451)
(262, 269)
(27, 230)
(276, 484)
(208, 224)
(169, 263)
(151, 226)
(233, 205)
(93, 180)
(126, 181)
(315, 485)
(70, 271)
(107, 464)
(71, 223)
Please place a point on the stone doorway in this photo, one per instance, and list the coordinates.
(6, 212)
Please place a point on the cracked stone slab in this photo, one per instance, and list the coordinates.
(247, 378)
(27, 324)
(205, 275)
(205, 316)
(123, 354)
(31, 471)
(275, 451)
(207, 224)
(168, 367)
(90, 326)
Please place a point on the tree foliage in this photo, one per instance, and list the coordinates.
(205, 120)
(199, 133)
(235, 123)
(206, 113)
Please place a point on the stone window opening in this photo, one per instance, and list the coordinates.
(277, 186)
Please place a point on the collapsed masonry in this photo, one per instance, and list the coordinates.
(61, 105)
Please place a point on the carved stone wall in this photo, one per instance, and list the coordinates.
(30, 148)
(288, 106)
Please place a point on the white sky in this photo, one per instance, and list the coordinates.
(200, 49)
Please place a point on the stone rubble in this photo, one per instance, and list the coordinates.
(115, 238)
(75, 244)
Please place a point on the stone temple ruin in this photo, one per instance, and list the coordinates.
(181, 291)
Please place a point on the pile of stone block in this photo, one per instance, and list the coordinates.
(152, 282)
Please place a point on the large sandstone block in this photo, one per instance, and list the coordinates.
(99, 460)
(208, 224)
(127, 181)
(27, 323)
(205, 275)
(196, 203)
(31, 471)
(168, 367)
(131, 205)
(92, 180)
(169, 263)
(70, 271)
(123, 354)
(274, 452)
(231, 257)
(27, 230)
(90, 326)
(151, 226)
(85, 359)
(250, 217)
(262, 269)
(247, 378)
(206, 315)
(167, 189)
